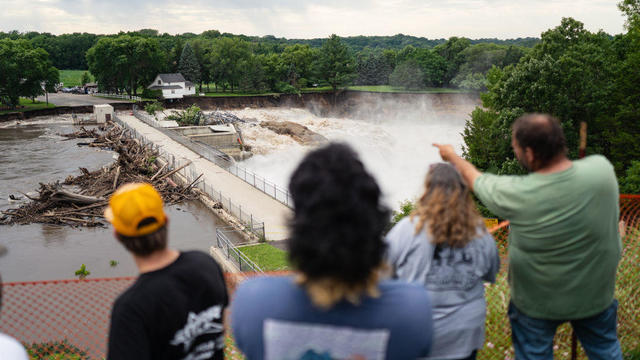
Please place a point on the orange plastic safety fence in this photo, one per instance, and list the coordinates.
(73, 315)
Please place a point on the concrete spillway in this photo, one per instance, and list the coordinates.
(273, 213)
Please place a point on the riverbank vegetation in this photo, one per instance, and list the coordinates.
(578, 76)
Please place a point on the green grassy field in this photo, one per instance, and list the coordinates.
(372, 88)
(391, 89)
(27, 105)
(73, 77)
(236, 93)
(268, 257)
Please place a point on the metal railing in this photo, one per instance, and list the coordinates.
(118, 96)
(222, 160)
(231, 252)
(190, 173)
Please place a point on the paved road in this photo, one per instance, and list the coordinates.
(253, 201)
(64, 99)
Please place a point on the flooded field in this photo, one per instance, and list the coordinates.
(33, 152)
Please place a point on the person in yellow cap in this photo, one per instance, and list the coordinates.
(174, 309)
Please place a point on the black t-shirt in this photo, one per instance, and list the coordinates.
(172, 313)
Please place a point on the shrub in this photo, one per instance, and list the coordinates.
(190, 116)
(151, 108)
(151, 94)
(62, 350)
(630, 183)
(406, 207)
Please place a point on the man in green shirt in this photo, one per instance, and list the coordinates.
(564, 244)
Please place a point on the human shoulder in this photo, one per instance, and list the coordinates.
(404, 294)
(261, 286)
(10, 348)
(405, 228)
(596, 160)
(197, 256)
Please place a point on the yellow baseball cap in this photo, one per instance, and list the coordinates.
(131, 204)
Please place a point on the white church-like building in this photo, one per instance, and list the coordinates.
(173, 86)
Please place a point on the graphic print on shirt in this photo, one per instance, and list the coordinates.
(452, 269)
(208, 321)
(285, 340)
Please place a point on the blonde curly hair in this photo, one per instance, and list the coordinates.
(446, 209)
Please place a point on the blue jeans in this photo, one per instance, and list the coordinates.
(533, 338)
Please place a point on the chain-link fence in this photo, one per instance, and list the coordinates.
(74, 314)
(498, 332)
(222, 160)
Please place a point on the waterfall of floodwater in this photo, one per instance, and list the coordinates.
(396, 150)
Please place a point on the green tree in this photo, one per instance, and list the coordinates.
(24, 71)
(51, 80)
(297, 61)
(408, 75)
(630, 183)
(226, 59)
(189, 66)
(450, 51)
(85, 78)
(433, 66)
(576, 76)
(336, 64)
(125, 62)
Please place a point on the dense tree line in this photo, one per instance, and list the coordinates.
(577, 76)
(252, 63)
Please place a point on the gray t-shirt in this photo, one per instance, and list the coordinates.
(454, 279)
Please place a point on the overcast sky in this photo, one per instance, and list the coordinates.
(311, 19)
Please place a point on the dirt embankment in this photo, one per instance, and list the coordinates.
(299, 133)
(358, 104)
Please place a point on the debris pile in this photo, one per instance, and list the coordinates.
(80, 200)
(221, 117)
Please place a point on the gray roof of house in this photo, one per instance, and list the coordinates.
(165, 87)
(171, 78)
(188, 83)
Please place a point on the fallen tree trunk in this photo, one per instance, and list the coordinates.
(63, 195)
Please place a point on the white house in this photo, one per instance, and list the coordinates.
(173, 86)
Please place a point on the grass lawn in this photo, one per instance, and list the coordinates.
(73, 77)
(391, 89)
(268, 257)
(27, 105)
(237, 93)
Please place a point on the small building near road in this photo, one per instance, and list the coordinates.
(173, 86)
(103, 113)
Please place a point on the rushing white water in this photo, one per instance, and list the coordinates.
(396, 151)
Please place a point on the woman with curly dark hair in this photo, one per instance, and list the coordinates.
(334, 306)
(444, 246)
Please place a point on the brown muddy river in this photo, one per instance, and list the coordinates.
(34, 153)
